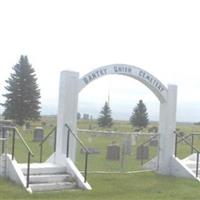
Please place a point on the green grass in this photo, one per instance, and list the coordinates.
(108, 186)
(141, 186)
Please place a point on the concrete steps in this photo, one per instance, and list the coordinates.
(43, 168)
(192, 166)
(42, 187)
(48, 177)
(2, 165)
(190, 162)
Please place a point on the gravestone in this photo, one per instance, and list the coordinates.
(154, 142)
(86, 116)
(4, 132)
(38, 134)
(142, 152)
(113, 152)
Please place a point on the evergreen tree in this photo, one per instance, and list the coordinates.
(139, 117)
(105, 119)
(22, 99)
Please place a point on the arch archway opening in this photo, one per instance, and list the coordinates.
(71, 85)
(122, 92)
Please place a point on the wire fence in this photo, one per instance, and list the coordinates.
(115, 152)
(182, 148)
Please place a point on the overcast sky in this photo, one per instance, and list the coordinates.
(161, 37)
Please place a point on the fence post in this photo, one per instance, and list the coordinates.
(197, 165)
(142, 161)
(3, 142)
(86, 163)
(122, 158)
(13, 144)
(41, 152)
(28, 170)
(192, 143)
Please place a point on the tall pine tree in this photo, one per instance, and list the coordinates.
(105, 118)
(139, 117)
(22, 98)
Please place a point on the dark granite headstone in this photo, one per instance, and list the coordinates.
(142, 152)
(4, 131)
(38, 134)
(113, 152)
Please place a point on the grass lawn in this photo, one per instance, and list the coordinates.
(108, 186)
(141, 186)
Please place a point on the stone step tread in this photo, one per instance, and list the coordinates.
(43, 168)
(53, 178)
(40, 165)
(190, 162)
(49, 175)
(52, 186)
(192, 166)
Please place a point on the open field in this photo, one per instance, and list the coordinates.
(146, 185)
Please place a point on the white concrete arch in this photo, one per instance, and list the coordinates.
(141, 75)
(71, 85)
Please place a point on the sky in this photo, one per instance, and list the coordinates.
(159, 36)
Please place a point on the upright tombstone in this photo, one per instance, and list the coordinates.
(38, 134)
(4, 132)
(86, 116)
(142, 152)
(113, 152)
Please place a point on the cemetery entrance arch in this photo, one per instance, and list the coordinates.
(71, 85)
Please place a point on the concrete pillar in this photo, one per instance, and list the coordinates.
(166, 127)
(67, 113)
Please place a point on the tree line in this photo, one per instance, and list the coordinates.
(23, 99)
